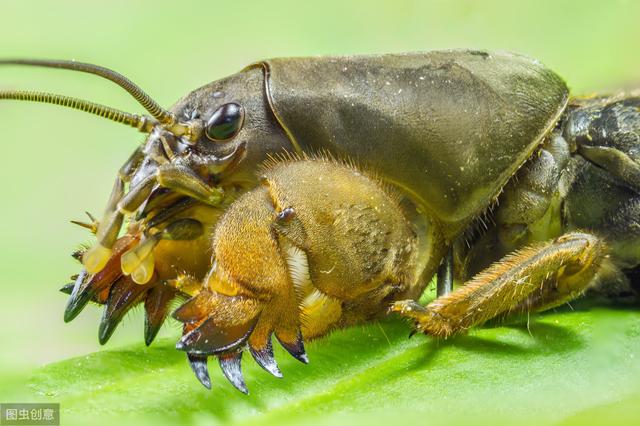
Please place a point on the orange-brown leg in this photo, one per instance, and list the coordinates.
(535, 278)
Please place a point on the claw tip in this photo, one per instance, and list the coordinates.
(108, 325)
(103, 335)
(265, 359)
(150, 331)
(67, 288)
(295, 348)
(199, 366)
(231, 368)
(75, 305)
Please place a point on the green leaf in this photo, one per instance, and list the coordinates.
(572, 366)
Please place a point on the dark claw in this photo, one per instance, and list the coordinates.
(204, 335)
(78, 299)
(107, 327)
(75, 305)
(209, 339)
(264, 358)
(123, 296)
(296, 349)
(67, 288)
(198, 364)
(231, 364)
(156, 308)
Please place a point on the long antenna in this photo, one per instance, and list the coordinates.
(142, 123)
(159, 113)
(166, 118)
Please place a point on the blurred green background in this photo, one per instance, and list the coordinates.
(58, 163)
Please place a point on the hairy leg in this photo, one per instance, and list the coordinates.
(534, 278)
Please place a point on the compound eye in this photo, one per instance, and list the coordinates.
(226, 122)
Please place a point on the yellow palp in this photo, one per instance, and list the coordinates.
(95, 258)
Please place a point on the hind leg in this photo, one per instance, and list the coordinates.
(535, 278)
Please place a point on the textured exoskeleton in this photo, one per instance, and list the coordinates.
(381, 173)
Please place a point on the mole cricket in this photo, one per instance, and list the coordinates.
(302, 195)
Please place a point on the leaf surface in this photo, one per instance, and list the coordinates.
(570, 366)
